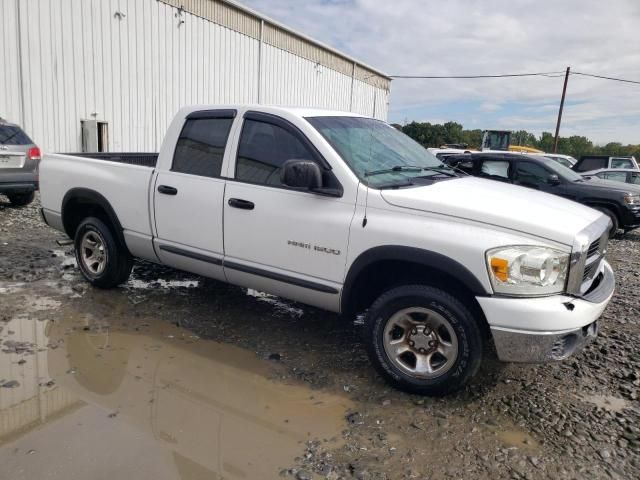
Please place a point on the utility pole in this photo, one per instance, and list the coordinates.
(564, 91)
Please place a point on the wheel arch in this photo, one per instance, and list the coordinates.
(609, 205)
(80, 203)
(431, 267)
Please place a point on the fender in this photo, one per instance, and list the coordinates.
(604, 203)
(419, 256)
(88, 196)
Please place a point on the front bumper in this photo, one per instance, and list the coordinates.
(533, 330)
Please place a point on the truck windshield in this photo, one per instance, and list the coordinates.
(379, 154)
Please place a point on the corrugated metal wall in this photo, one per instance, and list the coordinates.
(30, 402)
(134, 63)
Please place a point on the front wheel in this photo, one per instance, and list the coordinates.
(615, 224)
(21, 199)
(103, 261)
(422, 340)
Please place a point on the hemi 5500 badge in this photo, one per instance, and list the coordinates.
(315, 248)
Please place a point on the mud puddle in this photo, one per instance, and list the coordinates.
(609, 403)
(112, 394)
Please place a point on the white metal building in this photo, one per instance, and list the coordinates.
(126, 66)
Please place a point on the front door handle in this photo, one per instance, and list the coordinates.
(167, 190)
(239, 203)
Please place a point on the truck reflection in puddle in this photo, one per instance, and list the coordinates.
(152, 399)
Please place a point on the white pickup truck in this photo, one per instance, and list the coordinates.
(345, 213)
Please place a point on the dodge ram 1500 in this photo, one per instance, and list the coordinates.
(345, 213)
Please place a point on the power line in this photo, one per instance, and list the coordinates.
(508, 75)
(606, 78)
(541, 74)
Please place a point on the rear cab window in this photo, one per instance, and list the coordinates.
(13, 135)
(201, 145)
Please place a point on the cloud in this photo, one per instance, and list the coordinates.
(433, 37)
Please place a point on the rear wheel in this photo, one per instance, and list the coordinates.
(423, 340)
(103, 261)
(21, 199)
(614, 220)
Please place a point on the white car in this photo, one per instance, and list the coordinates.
(566, 160)
(346, 213)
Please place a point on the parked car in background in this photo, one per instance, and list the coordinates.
(590, 163)
(348, 214)
(620, 202)
(566, 160)
(623, 175)
(443, 152)
(19, 163)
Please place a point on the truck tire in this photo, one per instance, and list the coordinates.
(422, 340)
(614, 220)
(103, 261)
(21, 199)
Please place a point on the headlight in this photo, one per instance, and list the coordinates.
(631, 199)
(527, 270)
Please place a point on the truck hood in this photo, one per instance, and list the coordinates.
(501, 204)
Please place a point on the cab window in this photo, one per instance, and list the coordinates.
(263, 149)
(201, 145)
(621, 163)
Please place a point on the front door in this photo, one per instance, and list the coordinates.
(188, 198)
(283, 241)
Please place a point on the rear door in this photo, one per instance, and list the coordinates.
(188, 198)
(284, 241)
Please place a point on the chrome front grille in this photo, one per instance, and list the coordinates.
(589, 249)
(594, 248)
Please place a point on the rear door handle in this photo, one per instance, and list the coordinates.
(167, 190)
(239, 203)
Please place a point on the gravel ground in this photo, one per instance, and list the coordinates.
(576, 419)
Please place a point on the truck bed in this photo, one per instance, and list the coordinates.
(123, 179)
(144, 159)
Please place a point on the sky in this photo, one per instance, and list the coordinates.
(470, 37)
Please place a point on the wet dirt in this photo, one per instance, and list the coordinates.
(177, 376)
(198, 406)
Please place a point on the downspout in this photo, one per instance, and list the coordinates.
(353, 76)
(20, 73)
(260, 61)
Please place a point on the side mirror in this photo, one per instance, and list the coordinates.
(304, 174)
(553, 179)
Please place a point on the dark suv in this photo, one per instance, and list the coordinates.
(619, 201)
(19, 161)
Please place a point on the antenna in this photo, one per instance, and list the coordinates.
(366, 197)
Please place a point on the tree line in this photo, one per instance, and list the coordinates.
(435, 135)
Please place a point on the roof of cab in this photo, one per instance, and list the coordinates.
(297, 111)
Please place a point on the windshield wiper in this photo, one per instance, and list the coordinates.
(443, 169)
(383, 186)
(397, 168)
